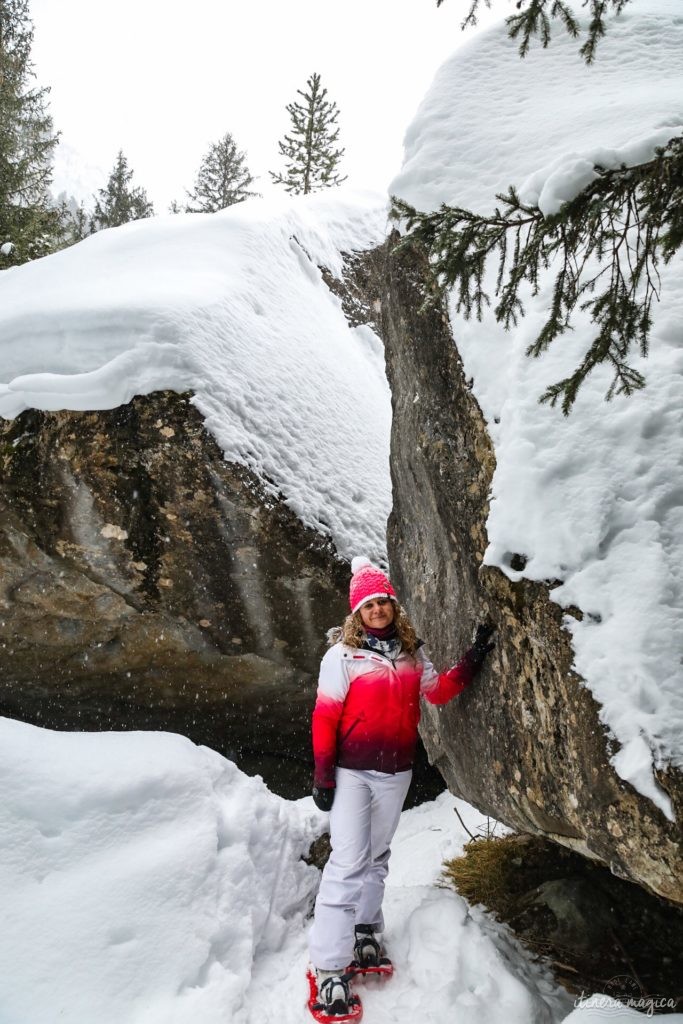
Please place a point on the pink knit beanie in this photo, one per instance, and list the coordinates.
(367, 583)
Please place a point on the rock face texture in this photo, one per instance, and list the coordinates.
(147, 583)
(525, 743)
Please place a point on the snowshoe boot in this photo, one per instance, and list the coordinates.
(367, 953)
(331, 1000)
(366, 949)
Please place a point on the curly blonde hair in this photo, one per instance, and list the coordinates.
(352, 631)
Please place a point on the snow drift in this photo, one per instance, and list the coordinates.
(141, 875)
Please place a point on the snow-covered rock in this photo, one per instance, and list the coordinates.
(171, 566)
(592, 501)
(233, 307)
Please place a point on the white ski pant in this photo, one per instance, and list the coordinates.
(365, 814)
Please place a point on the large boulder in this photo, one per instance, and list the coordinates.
(148, 583)
(525, 744)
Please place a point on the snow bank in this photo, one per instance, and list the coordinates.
(594, 500)
(140, 877)
(233, 307)
(491, 119)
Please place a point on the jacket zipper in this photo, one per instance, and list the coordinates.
(384, 657)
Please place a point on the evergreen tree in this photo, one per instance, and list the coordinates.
(120, 202)
(604, 245)
(29, 221)
(223, 178)
(311, 150)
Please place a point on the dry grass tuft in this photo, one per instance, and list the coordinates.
(485, 873)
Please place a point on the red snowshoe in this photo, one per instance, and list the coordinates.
(350, 1008)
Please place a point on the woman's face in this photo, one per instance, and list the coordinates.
(378, 613)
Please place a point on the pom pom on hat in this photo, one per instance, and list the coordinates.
(358, 562)
(367, 583)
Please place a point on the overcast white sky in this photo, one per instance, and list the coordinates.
(162, 79)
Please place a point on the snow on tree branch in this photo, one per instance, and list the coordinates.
(603, 246)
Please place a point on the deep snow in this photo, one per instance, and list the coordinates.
(145, 880)
(594, 501)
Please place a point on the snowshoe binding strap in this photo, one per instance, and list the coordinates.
(333, 1003)
(385, 969)
(366, 949)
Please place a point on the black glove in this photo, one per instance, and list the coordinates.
(323, 797)
(481, 646)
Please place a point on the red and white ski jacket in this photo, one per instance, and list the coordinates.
(368, 708)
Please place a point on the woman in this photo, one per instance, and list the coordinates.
(364, 736)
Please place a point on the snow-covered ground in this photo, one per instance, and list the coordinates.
(594, 500)
(144, 880)
(232, 307)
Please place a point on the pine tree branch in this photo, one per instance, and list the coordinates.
(603, 248)
(534, 20)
